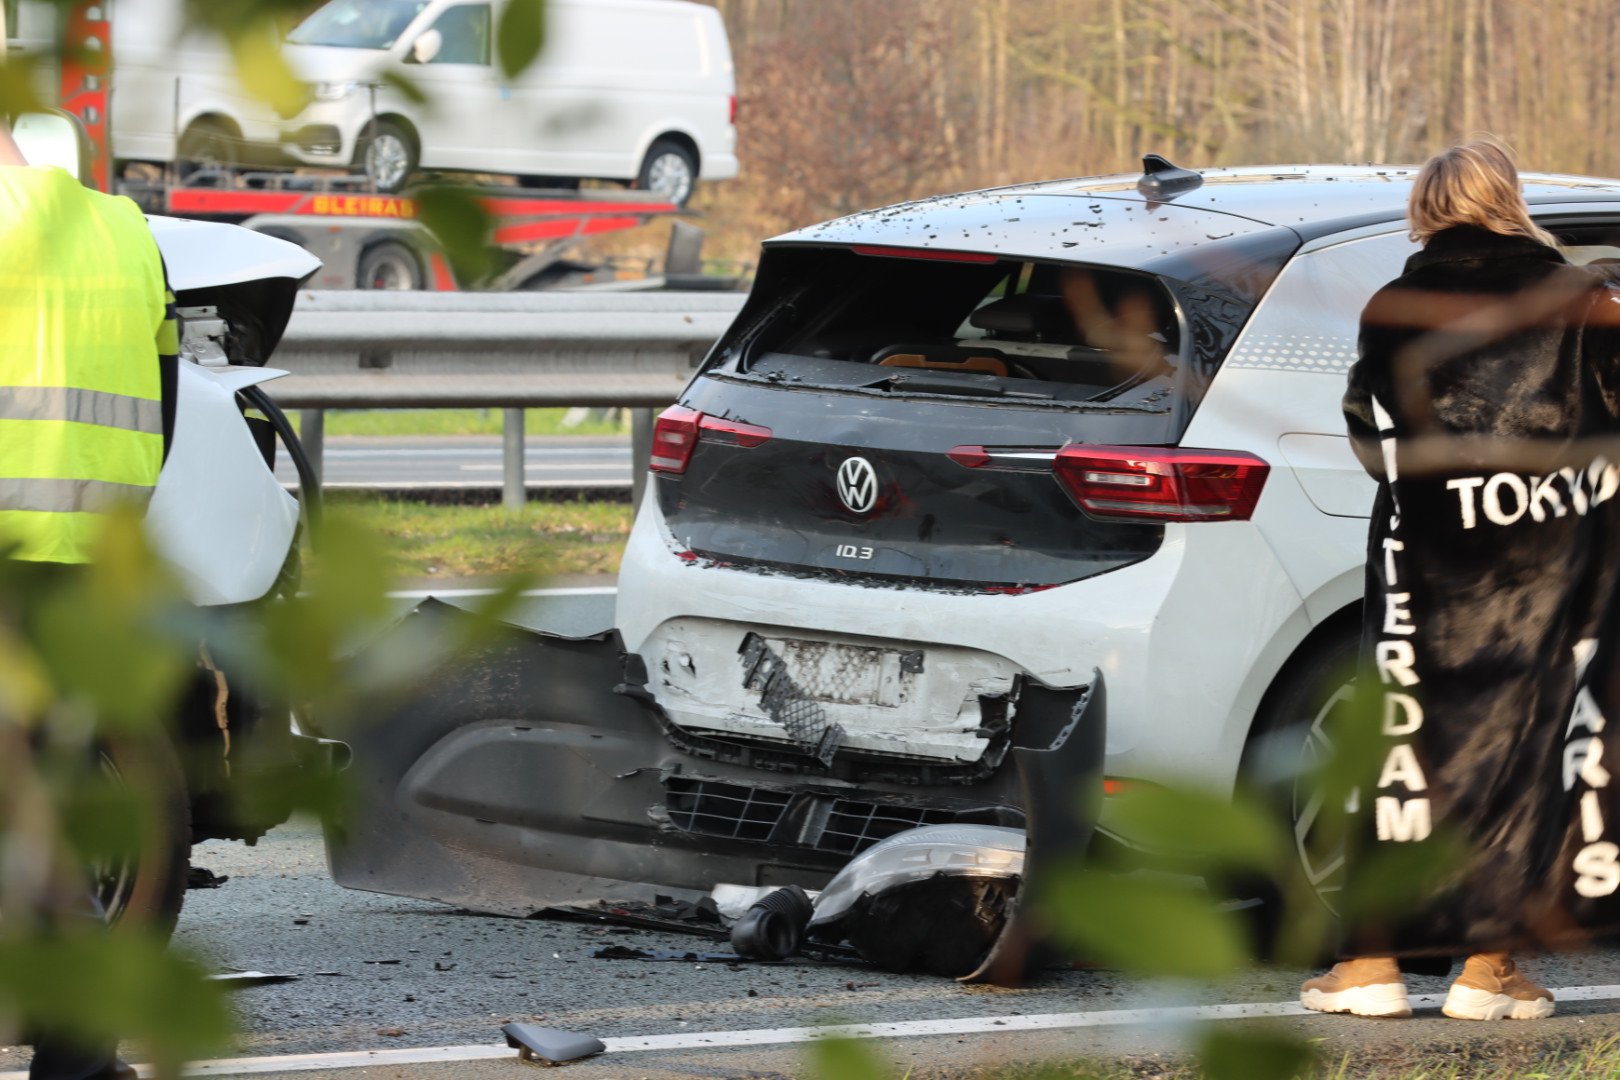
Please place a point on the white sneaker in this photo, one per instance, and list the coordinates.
(1367, 986)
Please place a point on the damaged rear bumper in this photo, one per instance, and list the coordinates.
(539, 755)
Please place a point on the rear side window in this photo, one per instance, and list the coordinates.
(991, 327)
(11, 20)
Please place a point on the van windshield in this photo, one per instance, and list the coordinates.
(357, 24)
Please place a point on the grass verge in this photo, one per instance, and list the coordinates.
(469, 422)
(546, 538)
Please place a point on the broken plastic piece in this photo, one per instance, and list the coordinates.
(251, 978)
(551, 1045)
(773, 927)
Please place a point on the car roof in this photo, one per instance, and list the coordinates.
(1107, 220)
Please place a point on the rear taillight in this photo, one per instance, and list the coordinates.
(734, 109)
(675, 435)
(678, 430)
(1161, 483)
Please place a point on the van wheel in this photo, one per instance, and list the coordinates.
(389, 265)
(669, 171)
(388, 155)
(205, 145)
(1292, 735)
(144, 889)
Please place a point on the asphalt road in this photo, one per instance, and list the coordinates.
(425, 462)
(381, 975)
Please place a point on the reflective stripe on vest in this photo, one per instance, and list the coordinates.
(82, 306)
(81, 407)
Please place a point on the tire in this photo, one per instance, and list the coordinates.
(145, 891)
(670, 170)
(388, 156)
(389, 265)
(206, 145)
(1291, 734)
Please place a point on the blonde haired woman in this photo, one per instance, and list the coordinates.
(1482, 575)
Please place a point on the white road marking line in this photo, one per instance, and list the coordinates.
(694, 1040)
(453, 594)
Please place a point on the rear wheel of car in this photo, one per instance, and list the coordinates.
(669, 171)
(1292, 736)
(389, 156)
(389, 265)
(144, 886)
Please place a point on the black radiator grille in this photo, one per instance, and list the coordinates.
(854, 825)
(839, 826)
(733, 811)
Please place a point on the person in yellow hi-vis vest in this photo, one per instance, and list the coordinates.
(86, 330)
(88, 347)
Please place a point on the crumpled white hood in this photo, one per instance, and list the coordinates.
(202, 254)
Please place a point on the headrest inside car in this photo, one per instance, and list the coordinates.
(1024, 315)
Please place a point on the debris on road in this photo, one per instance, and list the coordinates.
(392, 1032)
(251, 978)
(550, 1045)
(199, 877)
(624, 952)
(773, 926)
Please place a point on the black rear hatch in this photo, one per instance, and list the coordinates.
(883, 416)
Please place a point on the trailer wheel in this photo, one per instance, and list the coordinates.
(389, 156)
(389, 265)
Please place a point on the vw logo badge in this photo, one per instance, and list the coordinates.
(857, 484)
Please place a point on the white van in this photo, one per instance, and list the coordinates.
(633, 90)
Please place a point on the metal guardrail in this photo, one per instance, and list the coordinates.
(383, 350)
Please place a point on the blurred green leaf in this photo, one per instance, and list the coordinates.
(112, 611)
(463, 225)
(264, 73)
(19, 76)
(1143, 923)
(1254, 1054)
(406, 86)
(1390, 879)
(845, 1059)
(521, 35)
(1205, 827)
(97, 986)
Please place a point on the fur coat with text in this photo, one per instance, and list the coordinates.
(1489, 376)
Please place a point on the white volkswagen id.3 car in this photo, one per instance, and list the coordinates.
(953, 458)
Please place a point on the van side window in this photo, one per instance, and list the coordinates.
(11, 20)
(465, 30)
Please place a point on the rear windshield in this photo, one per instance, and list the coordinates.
(1067, 334)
